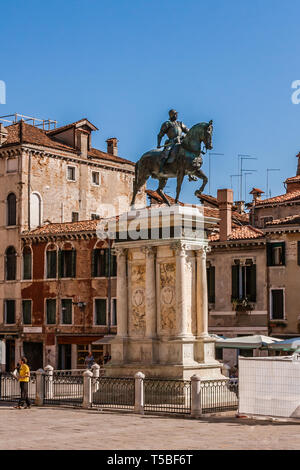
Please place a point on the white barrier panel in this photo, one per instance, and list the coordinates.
(269, 386)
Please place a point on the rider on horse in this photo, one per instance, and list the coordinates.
(173, 129)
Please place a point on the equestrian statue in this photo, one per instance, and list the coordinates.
(180, 156)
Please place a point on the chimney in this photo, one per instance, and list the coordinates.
(112, 146)
(225, 201)
(256, 193)
(82, 139)
(298, 166)
(240, 206)
(3, 134)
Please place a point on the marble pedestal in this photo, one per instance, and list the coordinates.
(162, 306)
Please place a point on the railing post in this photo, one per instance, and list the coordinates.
(196, 410)
(87, 389)
(139, 397)
(39, 388)
(96, 375)
(49, 381)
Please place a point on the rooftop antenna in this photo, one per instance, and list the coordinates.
(209, 155)
(241, 158)
(268, 170)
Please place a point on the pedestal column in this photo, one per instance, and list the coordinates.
(202, 297)
(181, 307)
(122, 302)
(150, 292)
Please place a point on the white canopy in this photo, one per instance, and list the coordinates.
(246, 342)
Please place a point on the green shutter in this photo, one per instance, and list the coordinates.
(26, 308)
(269, 254)
(251, 283)
(73, 274)
(100, 311)
(235, 281)
(51, 311)
(283, 253)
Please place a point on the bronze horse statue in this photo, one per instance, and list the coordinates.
(184, 159)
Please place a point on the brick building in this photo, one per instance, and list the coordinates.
(51, 178)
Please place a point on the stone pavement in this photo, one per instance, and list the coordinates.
(61, 428)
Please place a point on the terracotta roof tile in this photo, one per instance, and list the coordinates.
(291, 196)
(66, 227)
(290, 220)
(293, 179)
(95, 153)
(245, 232)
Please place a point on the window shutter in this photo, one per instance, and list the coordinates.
(251, 283)
(211, 284)
(93, 263)
(235, 281)
(73, 274)
(269, 254)
(283, 253)
(60, 260)
(298, 253)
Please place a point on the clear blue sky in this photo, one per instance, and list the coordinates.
(124, 64)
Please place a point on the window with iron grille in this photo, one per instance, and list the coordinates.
(277, 304)
(51, 311)
(104, 263)
(100, 312)
(10, 311)
(11, 209)
(95, 178)
(95, 216)
(51, 260)
(10, 264)
(244, 282)
(71, 173)
(26, 311)
(276, 254)
(66, 311)
(67, 263)
(75, 216)
(27, 263)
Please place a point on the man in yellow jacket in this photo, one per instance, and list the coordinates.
(24, 375)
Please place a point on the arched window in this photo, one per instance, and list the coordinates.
(51, 261)
(67, 261)
(10, 264)
(11, 209)
(35, 210)
(27, 263)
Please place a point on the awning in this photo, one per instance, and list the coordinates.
(74, 339)
(246, 342)
(291, 344)
(105, 340)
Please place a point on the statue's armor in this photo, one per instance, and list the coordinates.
(173, 129)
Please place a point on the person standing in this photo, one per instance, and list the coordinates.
(89, 360)
(24, 375)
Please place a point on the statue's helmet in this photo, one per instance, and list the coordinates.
(172, 112)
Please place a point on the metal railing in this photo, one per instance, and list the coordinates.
(113, 392)
(63, 390)
(219, 395)
(168, 396)
(10, 387)
(69, 372)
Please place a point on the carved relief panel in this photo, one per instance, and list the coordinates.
(137, 321)
(168, 297)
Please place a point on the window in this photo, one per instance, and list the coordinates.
(264, 220)
(100, 311)
(66, 311)
(11, 209)
(9, 311)
(67, 263)
(27, 262)
(104, 263)
(277, 304)
(51, 260)
(211, 284)
(276, 254)
(51, 311)
(95, 216)
(244, 281)
(113, 313)
(75, 216)
(71, 173)
(26, 311)
(96, 178)
(10, 264)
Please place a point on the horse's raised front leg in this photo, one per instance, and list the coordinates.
(180, 177)
(204, 178)
(162, 184)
